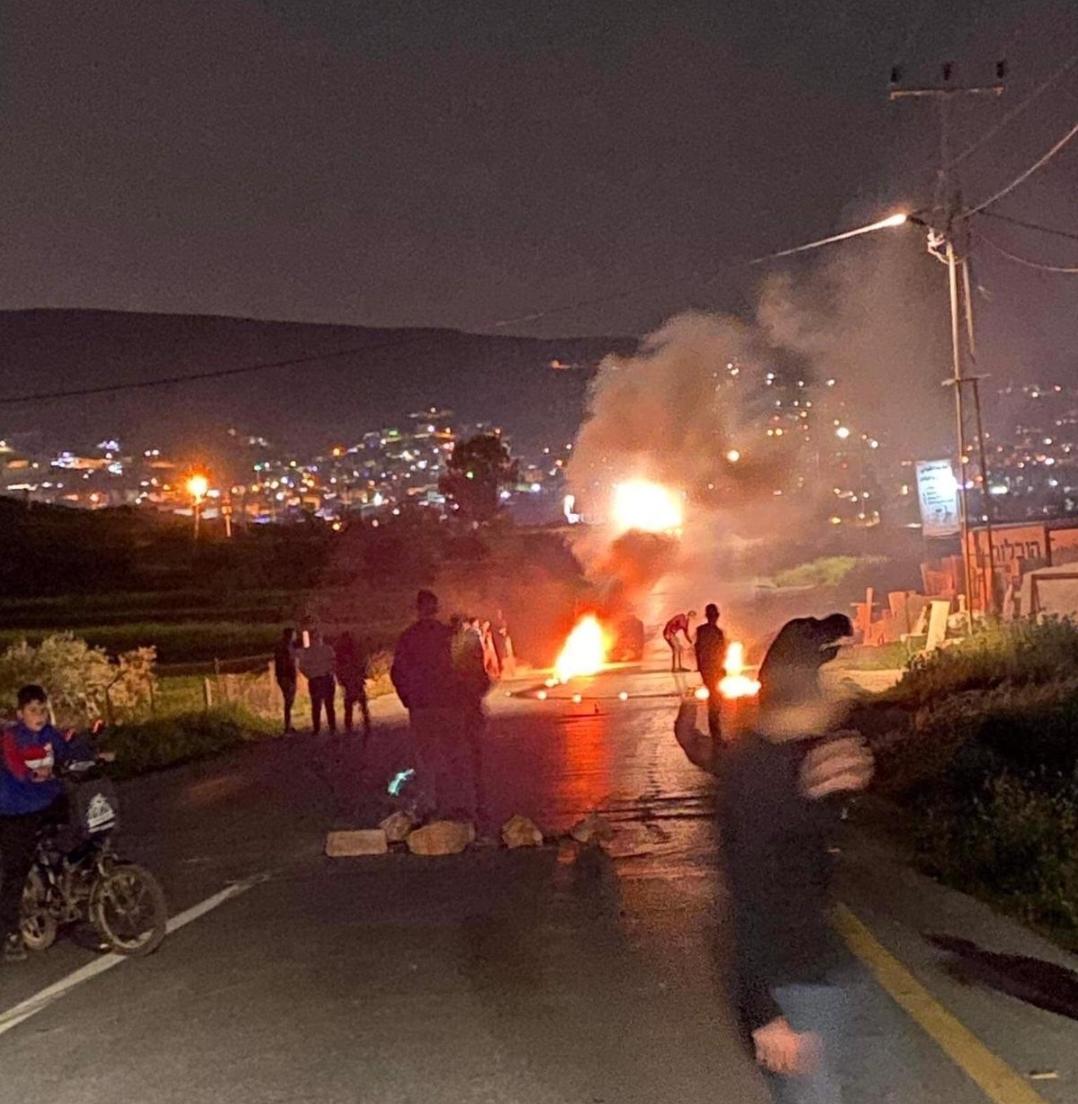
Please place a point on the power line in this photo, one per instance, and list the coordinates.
(1023, 177)
(211, 374)
(409, 338)
(1016, 110)
(703, 277)
(1030, 225)
(1025, 260)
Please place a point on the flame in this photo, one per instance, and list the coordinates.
(737, 684)
(585, 650)
(647, 507)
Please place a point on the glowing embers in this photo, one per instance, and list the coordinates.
(736, 684)
(585, 650)
(647, 507)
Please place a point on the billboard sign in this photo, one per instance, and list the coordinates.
(937, 493)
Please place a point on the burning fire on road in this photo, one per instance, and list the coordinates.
(736, 684)
(585, 650)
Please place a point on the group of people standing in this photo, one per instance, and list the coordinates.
(324, 666)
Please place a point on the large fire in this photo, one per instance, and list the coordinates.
(736, 684)
(585, 650)
(645, 506)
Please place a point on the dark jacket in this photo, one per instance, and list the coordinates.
(710, 648)
(778, 873)
(422, 670)
(284, 663)
(27, 780)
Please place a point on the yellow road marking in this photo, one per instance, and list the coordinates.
(994, 1077)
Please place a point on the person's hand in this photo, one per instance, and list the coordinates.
(782, 1050)
(843, 764)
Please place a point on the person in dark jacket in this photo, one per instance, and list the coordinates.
(31, 796)
(352, 675)
(710, 645)
(777, 816)
(284, 673)
(430, 689)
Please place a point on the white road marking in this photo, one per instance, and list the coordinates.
(22, 1011)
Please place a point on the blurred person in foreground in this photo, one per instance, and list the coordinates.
(777, 814)
(710, 645)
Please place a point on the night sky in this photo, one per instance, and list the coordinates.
(459, 163)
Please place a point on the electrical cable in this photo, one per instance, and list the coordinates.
(411, 338)
(1023, 177)
(1030, 225)
(1073, 271)
(1015, 111)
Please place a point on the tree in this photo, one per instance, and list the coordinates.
(477, 470)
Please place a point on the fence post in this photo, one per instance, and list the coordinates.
(207, 696)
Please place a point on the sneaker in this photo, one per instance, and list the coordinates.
(14, 947)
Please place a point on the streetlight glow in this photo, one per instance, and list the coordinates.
(197, 486)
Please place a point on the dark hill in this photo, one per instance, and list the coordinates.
(380, 376)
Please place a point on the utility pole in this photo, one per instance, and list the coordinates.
(948, 243)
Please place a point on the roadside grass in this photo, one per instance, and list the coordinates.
(168, 741)
(979, 744)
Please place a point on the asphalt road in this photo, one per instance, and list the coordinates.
(540, 977)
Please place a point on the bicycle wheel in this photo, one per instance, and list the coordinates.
(38, 924)
(127, 906)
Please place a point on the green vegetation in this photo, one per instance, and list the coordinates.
(168, 741)
(827, 571)
(980, 742)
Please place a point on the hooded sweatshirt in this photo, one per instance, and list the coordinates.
(28, 782)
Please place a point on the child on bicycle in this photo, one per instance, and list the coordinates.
(31, 795)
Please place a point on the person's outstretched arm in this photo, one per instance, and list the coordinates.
(698, 746)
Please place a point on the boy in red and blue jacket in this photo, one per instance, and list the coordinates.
(30, 796)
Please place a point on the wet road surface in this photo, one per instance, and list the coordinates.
(556, 975)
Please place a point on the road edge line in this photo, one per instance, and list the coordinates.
(11, 1018)
(991, 1074)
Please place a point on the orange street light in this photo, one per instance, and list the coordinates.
(197, 486)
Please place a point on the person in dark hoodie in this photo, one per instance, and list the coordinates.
(30, 797)
(776, 819)
(430, 689)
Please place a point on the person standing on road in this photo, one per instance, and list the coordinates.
(316, 663)
(30, 797)
(284, 672)
(427, 685)
(679, 625)
(710, 652)
(777, 815)
(472, 673)
(352, 675)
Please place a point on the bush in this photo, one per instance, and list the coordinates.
(169, 741)
(1020, 653)
(1017, 840)
(83, 684)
